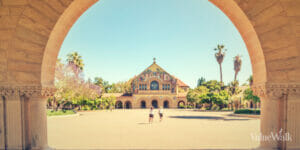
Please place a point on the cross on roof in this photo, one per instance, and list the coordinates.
(154, 60)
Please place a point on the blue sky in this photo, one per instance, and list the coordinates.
(118, 39)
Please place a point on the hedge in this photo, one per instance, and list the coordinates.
(247, 111)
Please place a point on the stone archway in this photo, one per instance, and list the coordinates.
(127, 105)
(181, 104)
(32, 32)
(166, 104)
(154, 103)
(119, 105)
(143, 104)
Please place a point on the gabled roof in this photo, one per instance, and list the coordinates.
(180, 83)
(156, 68)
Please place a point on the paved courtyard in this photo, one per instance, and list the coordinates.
(129, 129)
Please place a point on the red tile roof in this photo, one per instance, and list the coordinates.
(180, 83)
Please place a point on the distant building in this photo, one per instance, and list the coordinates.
(153, 87)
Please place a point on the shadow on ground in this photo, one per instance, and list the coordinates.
(143, 123)
(209, 118)
(155, 148)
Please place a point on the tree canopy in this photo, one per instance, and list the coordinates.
(209, 92)
(248, 95)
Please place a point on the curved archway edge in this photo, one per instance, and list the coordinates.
(32, 36)
(57, 36)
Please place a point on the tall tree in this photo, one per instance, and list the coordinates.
(233, 87)
(220, 57)
(105, 86)
(213, 85)
(198, 95)
(200, 81)
(121, 87)
(249, 95)
(71, 88)
(250, 80)
(76, 60)
(237, 65)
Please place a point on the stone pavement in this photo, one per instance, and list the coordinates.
(129, 129)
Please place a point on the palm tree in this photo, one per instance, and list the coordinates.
(237, 65)
(76, 60)
(234, 87)
(220, 57)
(250, 80)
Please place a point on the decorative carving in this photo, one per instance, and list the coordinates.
(7, 91)
(276, 89)
(28, 91)
(48, 91)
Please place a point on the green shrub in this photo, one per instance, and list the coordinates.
(226, 109)
(189, 107)
(86, 107)
(94, 108)
(60, 112)
(247, 111)
(215, 107)
(181, 106)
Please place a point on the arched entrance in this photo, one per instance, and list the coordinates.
(166, 104)
(274, 67)
(154, 104)
(251, 104)
(119, 105)
(143, 104)
(128, 105)
(181, 104)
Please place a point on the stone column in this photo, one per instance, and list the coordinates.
(280, 105)
(36, 116)
(11, 118)
(23, 121)
(2, 129)
(38, 122)
(293, 117)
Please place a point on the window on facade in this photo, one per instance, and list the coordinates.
(166, 86)
(154, 85)
(143, 87)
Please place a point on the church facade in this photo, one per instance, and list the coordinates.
(153, 87)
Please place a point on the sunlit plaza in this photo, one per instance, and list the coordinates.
(129, 129)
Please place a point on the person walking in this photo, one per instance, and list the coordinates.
(151, 115)
(161, 114)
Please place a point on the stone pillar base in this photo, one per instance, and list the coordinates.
(24, 121)
(280, 110)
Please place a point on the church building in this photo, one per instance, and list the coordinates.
(153, 87)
